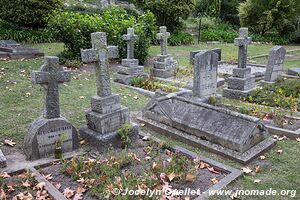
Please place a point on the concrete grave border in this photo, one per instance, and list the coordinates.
(232, 173)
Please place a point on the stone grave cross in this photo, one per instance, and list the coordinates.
(50, 75)
(242, 42)
(163, 36)
(130, 37)
(99, 54)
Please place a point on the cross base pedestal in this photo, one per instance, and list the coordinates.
(103, 141)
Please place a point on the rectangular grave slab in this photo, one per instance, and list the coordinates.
(11, 49)
(228, 133)
(275, 63)
(294, 71)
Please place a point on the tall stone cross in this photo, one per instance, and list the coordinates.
(99, 55)
(163, 36)
(242, 42)
(50, 75)
(130, 37)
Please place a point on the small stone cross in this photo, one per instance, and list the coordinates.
(100, 54)
(50, 75)
(163, 36)
(130, 37)
(242, 42)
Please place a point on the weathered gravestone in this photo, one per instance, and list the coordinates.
(228, 133)
(164, 65)
(193, 53)
(106, 114)
(12, 50)
(242, 82)
(275, 64)
(47, 130)
(205, 74)
(294, 71)
(129, 67)
(2, 160)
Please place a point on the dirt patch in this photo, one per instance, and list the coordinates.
(149, 159)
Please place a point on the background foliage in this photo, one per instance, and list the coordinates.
(27, 13)
(74, 30)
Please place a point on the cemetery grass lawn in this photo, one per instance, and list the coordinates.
(229, 52)
(21, 103)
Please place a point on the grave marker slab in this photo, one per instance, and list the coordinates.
(106, 114)
(275, 64)
(164, 65)
(205, 74)
(228, 133)
(129, 67)
(12, 50)
(47, 130)
(294, 71)
(193, 53)
(242, 82)
(2, 160)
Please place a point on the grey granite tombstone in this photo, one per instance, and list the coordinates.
(193, 53)
(294, 71)
(12, 50)
(129, 67)
(164, 65)
(205, 74)
(47, 130)
(275, 64)
(219, 130)
(2, 160)
(242, 82)
(106, 114)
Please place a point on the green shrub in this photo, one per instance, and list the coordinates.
(284, 94)
(23, 35)
(29, 13)
(74, 29)
(218, 35)
(168, 13)
(264, 15)
(124, 132)
(180, 38)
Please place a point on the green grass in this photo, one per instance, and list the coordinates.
(229, 52)
(17, 111)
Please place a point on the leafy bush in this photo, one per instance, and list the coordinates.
(264, 15)
(74, 29)
(218, 35)
(180, 38)
(284, 94)
(153, 85)
(168, 13)
(29, 13)
(11, 32)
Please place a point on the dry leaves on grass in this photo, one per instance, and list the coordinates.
(68, 193)
(171, 176)
(4, 175)
(262, 157)
(280, 151)
(212, 170)
(24, 196)
(26, 184)
(298, 139)
(257, 181)
(258, 169)
(246, 170)
(10, 143)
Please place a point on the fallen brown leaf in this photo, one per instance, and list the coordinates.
(26, 184)
(4, 175)
(257, 181)
(262, 157)
(68, 193)
(80, 190)
(212, 170)
(48, 177)
(9, 143)
(78, 197)
(280, 151)
(190, 177)
(246, 170)
(171, 176)
(257, 169)
(40, 186)
(298, 139)
(214, 181)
